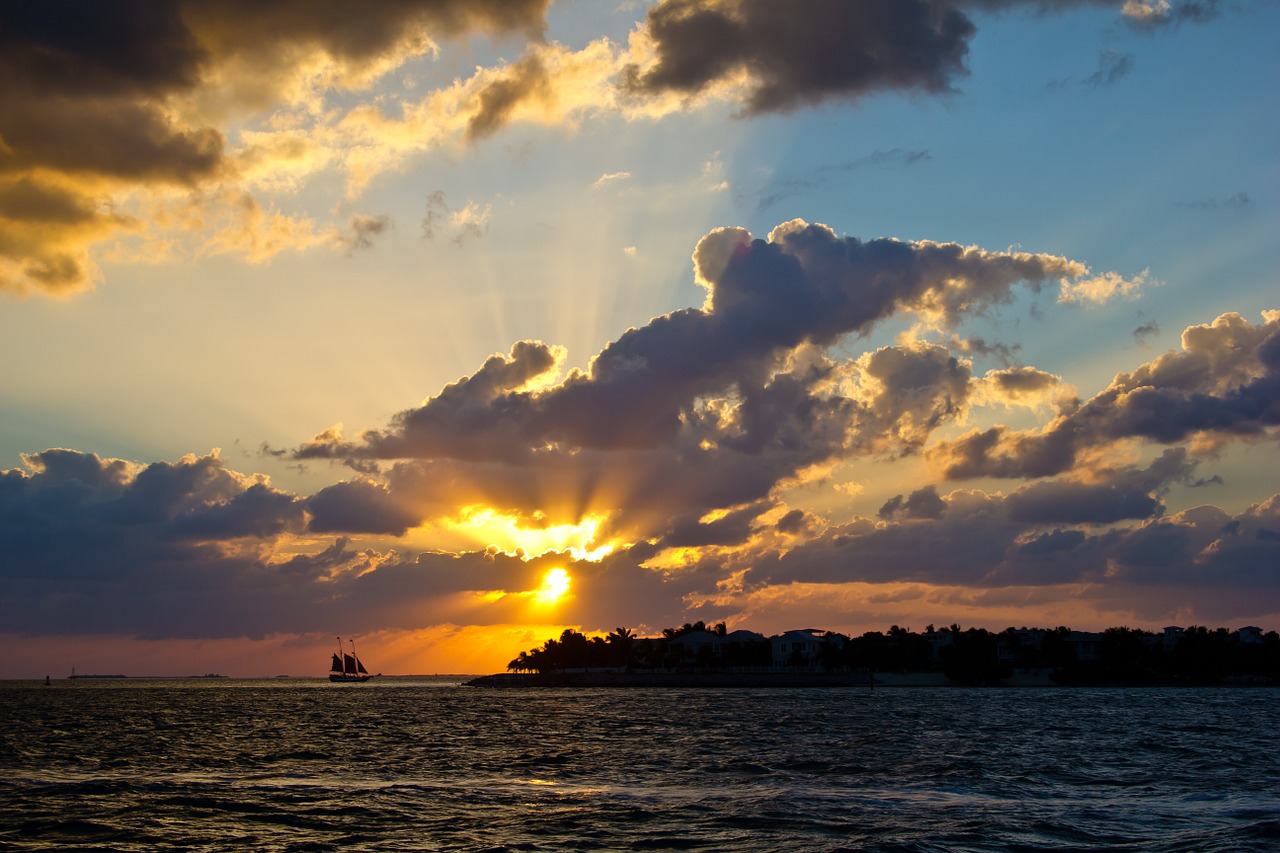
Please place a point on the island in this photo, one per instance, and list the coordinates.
(697, 655)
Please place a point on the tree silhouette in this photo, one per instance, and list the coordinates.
(976, 656)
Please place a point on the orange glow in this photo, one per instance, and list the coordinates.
(554, 587)
(511, 534)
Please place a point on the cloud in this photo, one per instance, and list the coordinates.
(1103, 288)
(922, 503)
(716, 369)
(363, 229)
(1112, 66)
(610, 178)
(825, 175)
(1225, 383)
(103, 107)
(787, 55)
(699, 518)
(358, 506)
(471, 222)
(1051, 534)
(709, 410)
(179, 113)
(44, 228)
(1147, 330)
(1142, 14)
(797, 54)
(1020, 386)
(1239, 201)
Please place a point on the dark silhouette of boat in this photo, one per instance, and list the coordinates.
(348, 667)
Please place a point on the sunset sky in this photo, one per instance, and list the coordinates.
(322, 318)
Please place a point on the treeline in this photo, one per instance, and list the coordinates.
(1196, 655)
(622, 649)
(1200, 655)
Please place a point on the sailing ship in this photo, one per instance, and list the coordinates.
(347, 667)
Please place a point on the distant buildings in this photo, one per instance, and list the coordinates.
(1174, 655)
(800, 648)
(709, 648)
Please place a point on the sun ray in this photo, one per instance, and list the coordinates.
(554, 587)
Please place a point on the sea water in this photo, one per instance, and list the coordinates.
(429, 764)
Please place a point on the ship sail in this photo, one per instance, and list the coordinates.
(347, 666)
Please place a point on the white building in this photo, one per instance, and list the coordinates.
(1250, 634)
(688, 648)
(799, 648)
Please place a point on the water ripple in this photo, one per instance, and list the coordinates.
(430, 765)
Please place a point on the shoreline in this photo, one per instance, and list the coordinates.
(671, 679)
(797, 679)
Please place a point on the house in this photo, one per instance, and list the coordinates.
(741, 637)
(688, 649)
(800, 648)
(1250, 634)
(938, 640)
(1085, 644)
(1016, 643)
(705, 647)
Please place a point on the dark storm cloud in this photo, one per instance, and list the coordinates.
(66, 48)
(358, 506)
(183, 549)
(989, 541)
(1225, 383)
(1121, 495)
(149, 48)
(1131, 494)
(83, 83)
(922, 503)
(798, 54)
(731, 529)
(95, 545)
(192, 498)
(86, 90)
(108, 137)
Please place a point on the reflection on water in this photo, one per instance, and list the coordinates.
(425, 764)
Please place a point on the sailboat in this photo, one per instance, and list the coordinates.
(347, 667)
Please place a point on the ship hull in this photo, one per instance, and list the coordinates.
(349, 678)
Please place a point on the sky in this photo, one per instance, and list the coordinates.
(446, 325)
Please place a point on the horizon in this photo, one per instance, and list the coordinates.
(91, 673)
(451, 326)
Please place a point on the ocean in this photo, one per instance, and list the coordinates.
(429, 764)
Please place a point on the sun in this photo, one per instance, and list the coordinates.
(554, 587)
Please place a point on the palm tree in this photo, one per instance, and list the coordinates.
(621, 643)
